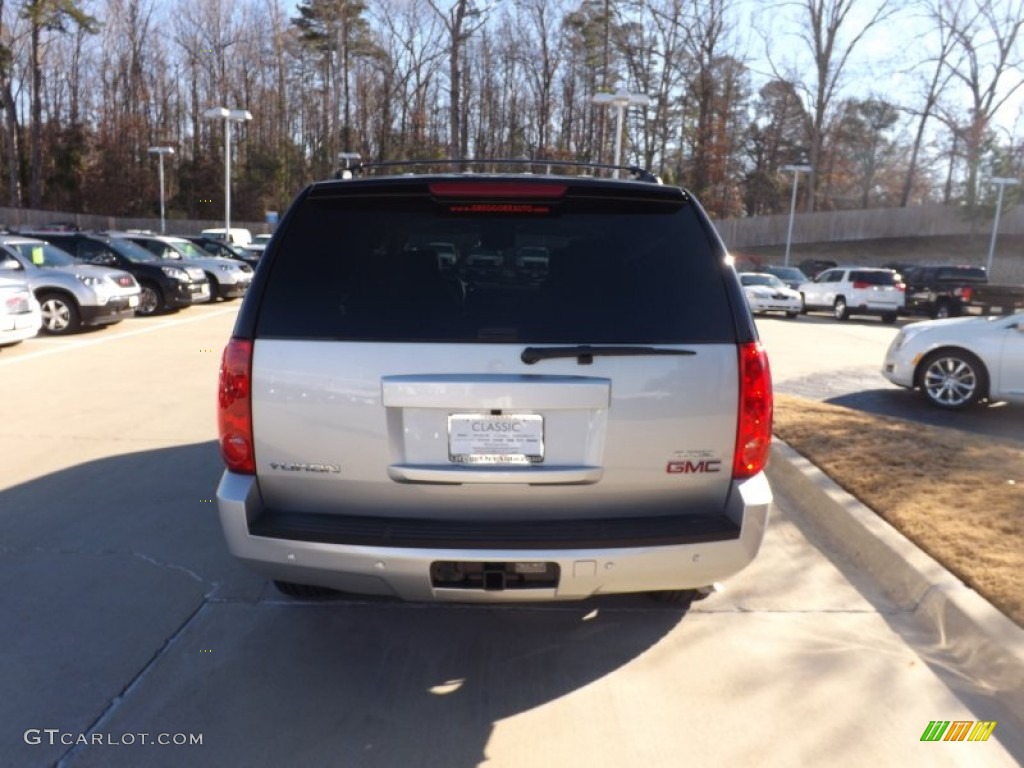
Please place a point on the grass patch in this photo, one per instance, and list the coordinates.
(959, 497)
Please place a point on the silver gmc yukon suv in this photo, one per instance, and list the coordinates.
(410, 407)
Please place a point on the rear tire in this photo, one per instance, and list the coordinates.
(889, 317)
(791, 315)
(305, 591)
(840, 310)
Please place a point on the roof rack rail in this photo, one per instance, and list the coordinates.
(362, 169)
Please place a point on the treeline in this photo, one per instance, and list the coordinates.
(738, 92)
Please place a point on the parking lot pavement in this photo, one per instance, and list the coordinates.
(130, 623)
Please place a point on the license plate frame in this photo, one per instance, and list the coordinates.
(496, 439)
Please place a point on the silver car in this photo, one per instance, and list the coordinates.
(391, 427)
(70, 293)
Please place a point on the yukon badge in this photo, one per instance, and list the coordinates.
(292, 466)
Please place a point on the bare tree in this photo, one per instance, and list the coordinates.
(985, 34)
(831, 38)
(461, 20)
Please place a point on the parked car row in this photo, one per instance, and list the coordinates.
(74, 279)
(842, 291)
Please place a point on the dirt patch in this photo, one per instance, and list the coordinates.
(959, 497)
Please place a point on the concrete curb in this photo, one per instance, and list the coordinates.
(986, 645)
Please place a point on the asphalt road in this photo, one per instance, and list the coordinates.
(126, 623)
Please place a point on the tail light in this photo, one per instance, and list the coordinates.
(496, 190)
(966, 293)
(234, 407)
(754, 425)
(901, 287)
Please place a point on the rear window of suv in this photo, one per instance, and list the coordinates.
(873, 277)
(404, 267)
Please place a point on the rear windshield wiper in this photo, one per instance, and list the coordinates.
(584, 353)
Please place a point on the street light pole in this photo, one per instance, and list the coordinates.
(795, 170)
(160, 152)
(228, 116)
(1002, 183)
(620, 100)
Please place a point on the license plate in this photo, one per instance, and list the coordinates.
(996, 310)
(133, 301)
(475, 438)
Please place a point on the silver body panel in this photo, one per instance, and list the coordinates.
(405, 572)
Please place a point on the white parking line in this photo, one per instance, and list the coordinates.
(91, 342)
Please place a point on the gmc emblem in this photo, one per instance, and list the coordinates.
(693, 467)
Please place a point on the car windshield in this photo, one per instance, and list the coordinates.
(789, 273)
(189, 250)
(131, 251)
(43, 254)
(771, 280)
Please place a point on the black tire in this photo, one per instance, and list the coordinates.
(889, 317)
(942, 310)
(840, 310)
(60, 313)
(214, 288)
(151, 301)
(953, 379)
(791, 315)
(305, 591)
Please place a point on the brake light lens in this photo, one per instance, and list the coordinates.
(754, 425)
(966, 293)
(490, 190)
(234, 407)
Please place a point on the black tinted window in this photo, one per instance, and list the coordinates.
(406, 269)
(966, 274)
(873, 278)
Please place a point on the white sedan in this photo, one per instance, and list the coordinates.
(20, 314)
(767, 293)
(958, 361)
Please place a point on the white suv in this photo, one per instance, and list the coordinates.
(487, 431)
(847, 291)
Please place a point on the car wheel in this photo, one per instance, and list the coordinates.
(953, 379)
(942, 310)
(840, 310)
(889, 317)
(791, 315)
(305, 591)
(150, 300)
(214, 288)
(60, 313)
